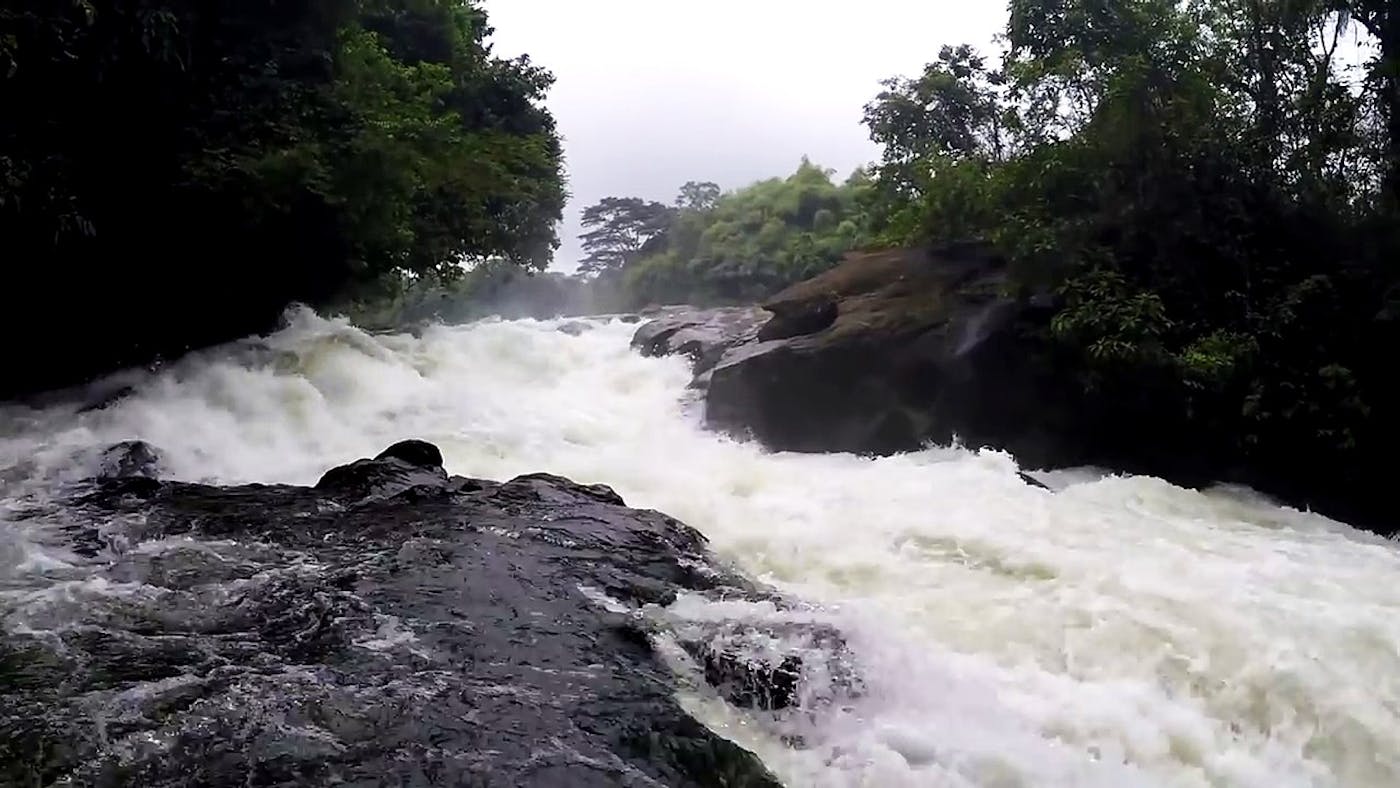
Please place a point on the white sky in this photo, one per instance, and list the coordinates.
(654, 93)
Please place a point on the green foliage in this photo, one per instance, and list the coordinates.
(747, 244)
(619, 228)
(1207, 191)
(283, 151)
(698, 196)
(1116, 324)
(952, 111)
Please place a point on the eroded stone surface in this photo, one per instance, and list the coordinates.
(391, 626)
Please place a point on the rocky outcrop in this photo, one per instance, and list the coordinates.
(889, 351)
(702, 335)
(393, 625)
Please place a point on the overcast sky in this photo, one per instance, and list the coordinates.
(654, 93)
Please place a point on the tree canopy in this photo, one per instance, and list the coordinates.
(742, 245)
(173, 172)
(1210, 192)
(618, 230)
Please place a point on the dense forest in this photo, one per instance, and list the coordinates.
(175, 172)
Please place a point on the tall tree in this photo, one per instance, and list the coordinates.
(618, 229)
(698, 196)
(1381, 19)
(951, 110)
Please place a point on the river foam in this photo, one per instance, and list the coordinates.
(1117, 631)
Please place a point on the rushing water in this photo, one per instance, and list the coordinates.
(1118, 631)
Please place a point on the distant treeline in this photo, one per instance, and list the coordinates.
(715, 247)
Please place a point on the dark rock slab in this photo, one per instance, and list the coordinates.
(887, 352)
(739, 659)
(414, 452)
(390, 626)
(703, 335)
(1033, 482)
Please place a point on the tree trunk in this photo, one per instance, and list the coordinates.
(1262, 42)
(1387, 30)
(1392, 100)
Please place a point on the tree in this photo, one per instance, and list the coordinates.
(698, 196)
(1381, 19)
(952, 109)
(749, 243)
(619, 228)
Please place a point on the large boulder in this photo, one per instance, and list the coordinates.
(702, 335)
(393, 625)
(891, 350)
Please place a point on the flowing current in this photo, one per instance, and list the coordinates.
(1114, 632)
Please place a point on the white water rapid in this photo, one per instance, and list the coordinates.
(1116, 632)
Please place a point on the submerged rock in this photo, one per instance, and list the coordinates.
(129, 460)
(766, 666)
(390, 626)
(1033, 482)
(575, 328)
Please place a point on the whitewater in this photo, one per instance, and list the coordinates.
(1111, 631)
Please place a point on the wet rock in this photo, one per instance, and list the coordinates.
(798, 317)
(753, 683)
(703, 335)
(574, 328)
(129, 460)
(356, 635)
(1032, 481)
(414, 452)
(409, 468)
(556, 489)
(770, 666)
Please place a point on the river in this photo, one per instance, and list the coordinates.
(1116, 631)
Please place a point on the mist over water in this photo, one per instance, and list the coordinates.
(1118, 631)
